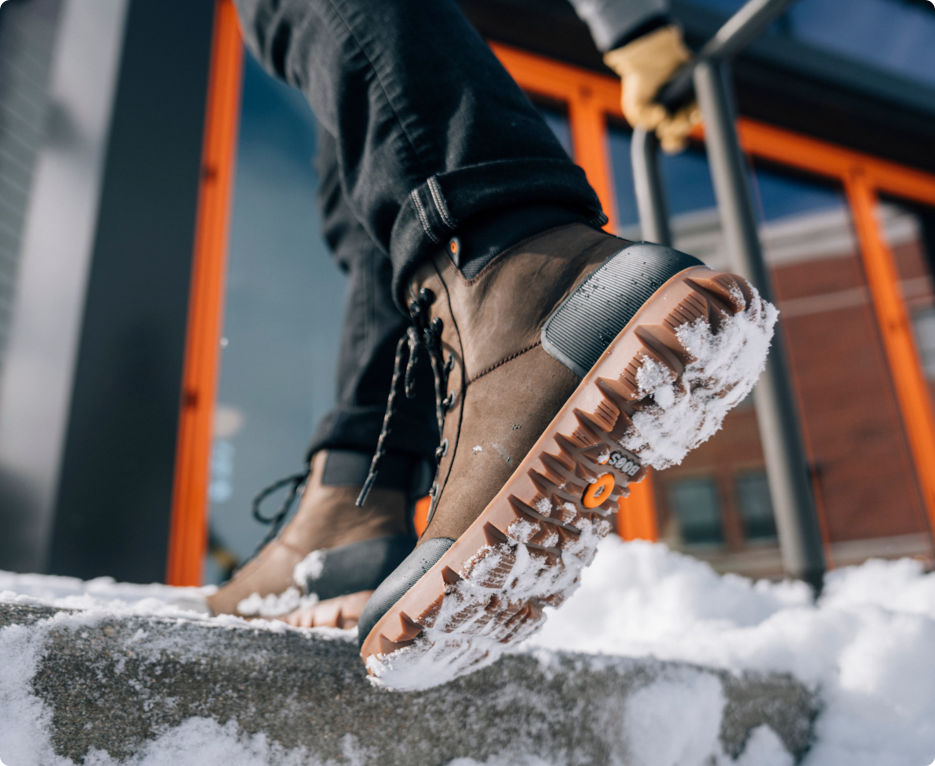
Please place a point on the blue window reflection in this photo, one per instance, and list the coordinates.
(559, 125)
(627, 213)
(689, 188)
(686, 177)
(892, 35)
(781, 195)
(284, 295)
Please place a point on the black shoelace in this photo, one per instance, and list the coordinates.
(421, 333)
(296, 484)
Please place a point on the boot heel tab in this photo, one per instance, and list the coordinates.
(587, 321)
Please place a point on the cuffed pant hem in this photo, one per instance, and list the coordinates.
(435, 210)
(359, 429)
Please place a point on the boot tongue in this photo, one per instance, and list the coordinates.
(484, 236)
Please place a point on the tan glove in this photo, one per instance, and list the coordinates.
(645, 65)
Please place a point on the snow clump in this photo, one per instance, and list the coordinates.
(688, 410)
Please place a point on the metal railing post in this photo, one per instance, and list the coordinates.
(650, 195)
(786, 465)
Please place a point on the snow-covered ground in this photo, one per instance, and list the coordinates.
(868, 646)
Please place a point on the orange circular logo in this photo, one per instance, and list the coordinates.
(599, 491)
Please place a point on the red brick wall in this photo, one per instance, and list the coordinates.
(862, 472)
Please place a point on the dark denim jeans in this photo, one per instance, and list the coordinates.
(371, 328)
(427, 130)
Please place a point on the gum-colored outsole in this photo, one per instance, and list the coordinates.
(528, 547)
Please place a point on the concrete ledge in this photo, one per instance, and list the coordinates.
(114, 683)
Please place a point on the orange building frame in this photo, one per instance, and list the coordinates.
(591, 99)
(188, 526)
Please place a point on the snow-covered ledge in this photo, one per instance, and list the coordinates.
(137, 687)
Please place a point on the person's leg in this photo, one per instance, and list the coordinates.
(431, 130)
(566, 361)
(371, 329)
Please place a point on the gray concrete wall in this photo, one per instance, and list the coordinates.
(79, 42)
(117, 683)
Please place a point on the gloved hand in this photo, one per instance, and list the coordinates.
(645, 65)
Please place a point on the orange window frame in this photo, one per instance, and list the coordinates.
(188, 525)
(591, 99)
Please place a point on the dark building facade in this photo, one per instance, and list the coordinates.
(170, 350)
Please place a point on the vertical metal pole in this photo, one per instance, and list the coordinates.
(647, 181)
(799, 534)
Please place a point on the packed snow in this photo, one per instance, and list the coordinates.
(309, 568)
(867, 647)
(690, 408)
(275, 604)
(464, 636)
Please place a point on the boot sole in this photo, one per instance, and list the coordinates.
(662, 387)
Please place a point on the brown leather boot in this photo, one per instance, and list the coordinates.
(330, 548)
(576, 359)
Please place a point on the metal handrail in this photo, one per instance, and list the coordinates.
(737, 33)
(707, 77)
(650, 194)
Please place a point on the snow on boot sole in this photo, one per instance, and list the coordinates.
(663, 386)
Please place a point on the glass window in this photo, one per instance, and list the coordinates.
(909, 230)
(284, 295)
(557, 120)
(923, 324)
(844, 387)
(688, 185)
(756, 508)
(893, 35)
(847, 404)
(695, 505)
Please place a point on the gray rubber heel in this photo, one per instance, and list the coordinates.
(358, 566)
(407, 574)
(588, 320)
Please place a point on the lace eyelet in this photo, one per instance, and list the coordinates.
(433, 493)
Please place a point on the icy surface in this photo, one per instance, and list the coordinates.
(689, 410)
(103, 597)
(102, 593)
(25, 723)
